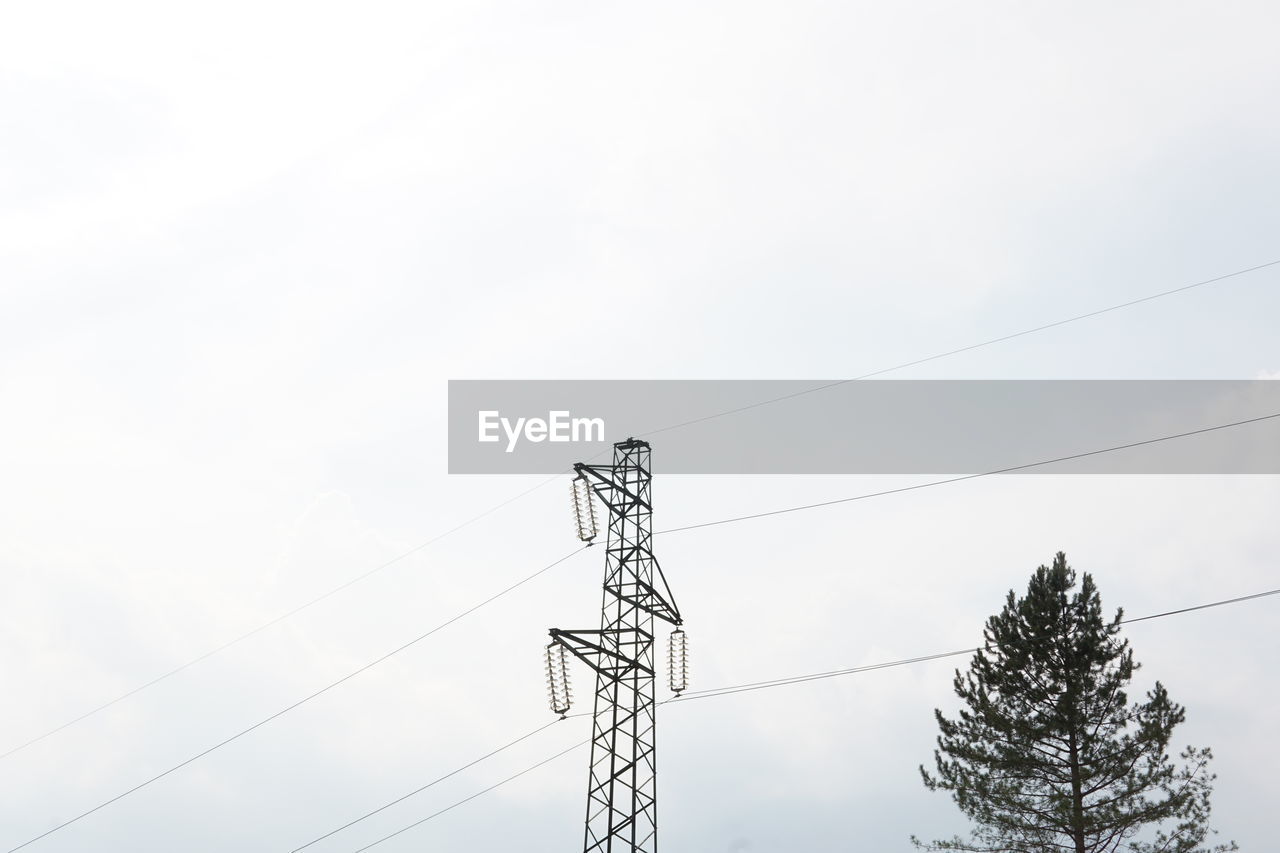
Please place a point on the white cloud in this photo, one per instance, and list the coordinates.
(243, 250)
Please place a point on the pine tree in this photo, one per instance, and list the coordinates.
(1049, 754)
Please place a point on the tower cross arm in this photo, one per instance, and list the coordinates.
(606, 484)
(587, 647)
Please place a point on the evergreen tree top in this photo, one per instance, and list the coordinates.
(1048, 753)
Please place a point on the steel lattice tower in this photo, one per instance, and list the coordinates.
(622, 808)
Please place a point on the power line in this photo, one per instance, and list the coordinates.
(798, 679)
(965, 349)
(430, 784)
(300, 702)
(253, 632)
(510, 778)
(570, 554)
(1202, 606)
(411, 551)
(439, 779)
(743, 688)
(964, 477)
(726, 691)
(265, 625)
(816, 676)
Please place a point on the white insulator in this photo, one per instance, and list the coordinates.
(678, 661)
(558, 692)
(584, 508)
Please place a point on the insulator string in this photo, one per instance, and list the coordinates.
(559, 695)
(584, 509)
(678, 661)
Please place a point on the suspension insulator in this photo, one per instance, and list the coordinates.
(678, 662)
(559, 694)
(584, 508)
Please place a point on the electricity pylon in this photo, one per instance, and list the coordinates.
(622, 807)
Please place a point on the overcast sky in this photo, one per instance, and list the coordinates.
(243, 247)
